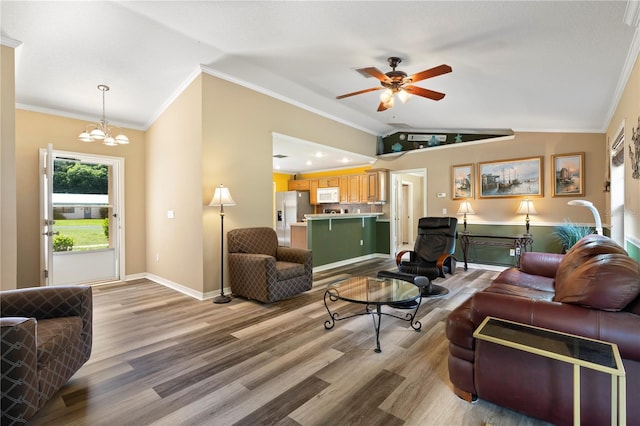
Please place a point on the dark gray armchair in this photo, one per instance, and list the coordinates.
(46, 336)
(260, 269)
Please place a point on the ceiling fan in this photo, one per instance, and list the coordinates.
(398, 82)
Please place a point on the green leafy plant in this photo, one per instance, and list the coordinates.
(569, 233)
(105, 227)
(63, 243)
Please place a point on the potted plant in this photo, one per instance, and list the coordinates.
(569, 233)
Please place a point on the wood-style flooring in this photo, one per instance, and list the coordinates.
(162, 358)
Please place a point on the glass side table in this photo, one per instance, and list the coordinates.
(579, 351)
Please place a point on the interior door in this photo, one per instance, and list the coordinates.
(82, 199)
(46, 213)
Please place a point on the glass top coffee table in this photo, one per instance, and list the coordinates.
(374, 293)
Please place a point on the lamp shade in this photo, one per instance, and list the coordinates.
(526, 207)
(465, 208)
(222, 197)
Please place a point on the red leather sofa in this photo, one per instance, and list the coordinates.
(592, 291)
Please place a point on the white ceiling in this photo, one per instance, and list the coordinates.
(524, 65)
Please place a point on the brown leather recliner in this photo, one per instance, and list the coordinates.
(46, 337)
(592, 291)
(260, 269)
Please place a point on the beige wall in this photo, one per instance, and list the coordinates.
(36, 130)
(628, 111)
(174, 182)
(8, 231)
(237, 152)
(551, 210)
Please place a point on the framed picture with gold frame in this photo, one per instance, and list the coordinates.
(462, 179)
(518, 177)
(567, 175)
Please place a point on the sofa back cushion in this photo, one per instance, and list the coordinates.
(597, 273)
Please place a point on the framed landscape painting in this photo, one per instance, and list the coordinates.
(511, 178)
(462, 179)
(567, 172)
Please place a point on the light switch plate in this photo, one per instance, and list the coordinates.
(171, 214)
(442, 195)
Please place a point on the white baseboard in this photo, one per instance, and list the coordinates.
(351, 261)
(179, 287)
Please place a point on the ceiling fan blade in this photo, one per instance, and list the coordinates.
(425, 93)
(433, 72)
(359, 92)
(381, 107)
(373, 72)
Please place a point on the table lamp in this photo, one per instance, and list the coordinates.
(465, 209)
(526, 207)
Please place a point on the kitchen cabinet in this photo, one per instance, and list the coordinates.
(299, 235)
(344, 189)
(299, 185)
(363, 188)
(377, 185)
(329, 182)
(313, 191)
(354, 189)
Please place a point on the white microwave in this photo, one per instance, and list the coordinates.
(328, 195)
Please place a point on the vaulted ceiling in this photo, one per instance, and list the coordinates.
(524, 65)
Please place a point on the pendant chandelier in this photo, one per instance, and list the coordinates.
(102, 129)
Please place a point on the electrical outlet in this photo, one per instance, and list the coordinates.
(157, 257)
(512, 252)
(361, 242)
(444, 211)
(518, 251)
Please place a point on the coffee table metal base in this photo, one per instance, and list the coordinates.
(375, 310)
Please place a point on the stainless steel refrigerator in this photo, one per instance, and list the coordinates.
(291, 206)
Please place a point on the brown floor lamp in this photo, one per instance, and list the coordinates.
(222, 197)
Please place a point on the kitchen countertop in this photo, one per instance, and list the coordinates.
(298, 224)
(322, 216)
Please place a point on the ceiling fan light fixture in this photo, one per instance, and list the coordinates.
(386, 96)
(110, 141)
(403, 95)
(98, 134)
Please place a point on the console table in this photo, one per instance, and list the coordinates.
(519, 243)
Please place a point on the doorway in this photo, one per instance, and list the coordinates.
(408, 205)
(82, 205)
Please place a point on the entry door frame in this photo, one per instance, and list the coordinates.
(396, 188)
(118, 220)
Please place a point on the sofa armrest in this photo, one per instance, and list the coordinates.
(537, 263)
(52, 302)
(19, 369)
(295, 255)
(621, 328)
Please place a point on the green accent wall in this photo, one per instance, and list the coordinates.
(342, 241)
(633, 250)
(383, 237)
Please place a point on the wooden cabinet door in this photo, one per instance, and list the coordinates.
(364, 188)
(344, 189)
(372, 187)
(298, 185)
(313, 192)
(354, 189)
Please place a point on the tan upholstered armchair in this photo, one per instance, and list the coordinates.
(260, 269)
(46, 336)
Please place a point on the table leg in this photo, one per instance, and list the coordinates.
(576, 395)
(377, 327)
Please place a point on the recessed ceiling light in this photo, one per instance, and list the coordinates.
(345, 160)
(277, 167)
(319, 154)
(309, 163)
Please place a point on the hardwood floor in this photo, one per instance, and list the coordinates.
(162, 358)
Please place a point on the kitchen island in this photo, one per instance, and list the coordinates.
(341, 238)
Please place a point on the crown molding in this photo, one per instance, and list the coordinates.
(632, 13)
(83, 117)
(9, 42)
